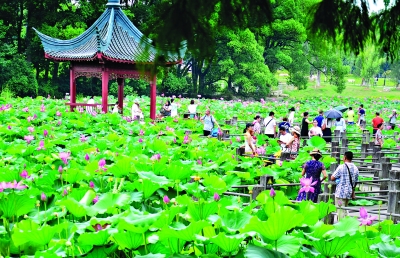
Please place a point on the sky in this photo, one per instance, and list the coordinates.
(375, 7)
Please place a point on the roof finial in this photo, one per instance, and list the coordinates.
(113, 4)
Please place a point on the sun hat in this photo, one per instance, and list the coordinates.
(295, 129)
(315, 151)
(136, 101)
(394, 110)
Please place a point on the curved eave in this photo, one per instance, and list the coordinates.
(103, 57)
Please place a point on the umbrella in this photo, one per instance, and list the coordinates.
(333, 113)
(341, 108)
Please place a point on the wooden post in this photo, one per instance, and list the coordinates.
(364, 150)
(393, 204)
(226, 133)
(394, 183)
(228, 122)
(285, 156)
(104, 90)
(153, 97)
(234, 120)
(120, 82)
(72, 88)
(366, 136)
(345, 145)
(262, 187)
(383, 174)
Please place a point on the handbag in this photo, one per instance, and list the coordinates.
(353, 193)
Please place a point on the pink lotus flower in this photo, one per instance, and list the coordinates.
(261, 150)
(65, 192)
(60, 169)
(29, 138)
(24, 174)
(156, 157)
(43, 197)
(65, 156)
(9, 127)
(41, 145)
(179, 96)
(45, 133)
(364, 218)
(238, 139)
(34, 116)
(96, 199)
(59, 123)
(166, 199)
(29, 118)
(272, 193)
(25, 109)
(91, 184)
(83, 138)
(216, 197)
(31, 129)
(102, 164)
(140, 140)
(87, 157)
(162, 94)
(186, 139)
(174, 140)
(141, 132)
(199, 162)
(307, 185)
(42, 108)
(58, 113)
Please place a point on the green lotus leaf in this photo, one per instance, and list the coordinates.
(244, 175)
(151, 256)
(325, 208)
(28, 231)
(74, 207)
(16, 204)
(228, 243)
(161, 180)
(253, 251)
(335, 246)
(186, 233)
(284, 219)
(347, 225)
(215, 184)
(74, 175)
(128, 240)
(202, 210)
(387, 250)
(138, 222)
(309, 211)
(168, 215)
(109, 201)
(387, 227)
(232, 221)
(9, 175)
(316, 142)
(147, 186)
(122, 167)
(96, 238)
(177, 171)
(102, 252)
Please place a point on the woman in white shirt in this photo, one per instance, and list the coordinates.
(392, 119)
(174, 108)
(315, 130)
(136, 111)
(192, 108)
(249, 142)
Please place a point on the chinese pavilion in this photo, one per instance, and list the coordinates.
(112, 48)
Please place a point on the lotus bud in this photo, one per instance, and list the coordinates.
(166, 199)
(216, 197)
(272, 193)
(68, 243)
(43, 197)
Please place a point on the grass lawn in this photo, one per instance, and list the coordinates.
(353, 89)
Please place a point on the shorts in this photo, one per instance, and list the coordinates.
(206, 132)
(270, 135)
(350, 123)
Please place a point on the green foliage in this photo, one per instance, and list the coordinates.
(173, 84)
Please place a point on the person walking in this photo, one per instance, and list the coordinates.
(326, 129)
(284, 124)
(209, 123)
(347, 174)
(361, 117)
(312, 170)
(392, 119)
(315, 130)
(270, 125)
(304, 125)
(350, 116)
(256, 124)
(292, 111)
(379, 136)
(375, 122)
(249, 141)
(340, 125)
(319, 118)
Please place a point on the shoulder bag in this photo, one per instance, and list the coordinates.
(353, 187)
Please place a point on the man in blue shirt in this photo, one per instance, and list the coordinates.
(320, 118)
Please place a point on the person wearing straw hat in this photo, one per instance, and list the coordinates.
(311, 184)
(294, 143)
(392, 119)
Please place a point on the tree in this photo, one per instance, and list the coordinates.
(369, 62)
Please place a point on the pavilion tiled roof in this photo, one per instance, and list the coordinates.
(112, 37)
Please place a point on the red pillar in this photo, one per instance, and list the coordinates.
(153, 93)
(120, 82)
(72, 88)
(104, 90)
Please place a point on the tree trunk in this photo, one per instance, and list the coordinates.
(19, 28)
(46, 71)
(54, 76)
(318, 80)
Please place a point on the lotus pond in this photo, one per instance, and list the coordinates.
(77, 185)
